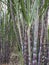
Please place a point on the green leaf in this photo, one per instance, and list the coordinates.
(23, 10)
(28, 11)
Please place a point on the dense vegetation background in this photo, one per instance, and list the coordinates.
(24, 32)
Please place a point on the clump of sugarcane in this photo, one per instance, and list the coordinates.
(34, 58)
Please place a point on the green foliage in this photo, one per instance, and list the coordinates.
(13, 6)
(23, 10)
(26, 11)
(44, 8)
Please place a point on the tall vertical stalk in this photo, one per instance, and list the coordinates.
(25, 46)
(35, 39)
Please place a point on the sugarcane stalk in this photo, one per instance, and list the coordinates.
(35, 40)
(25, 46)
(41, 42)
(29, 46)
